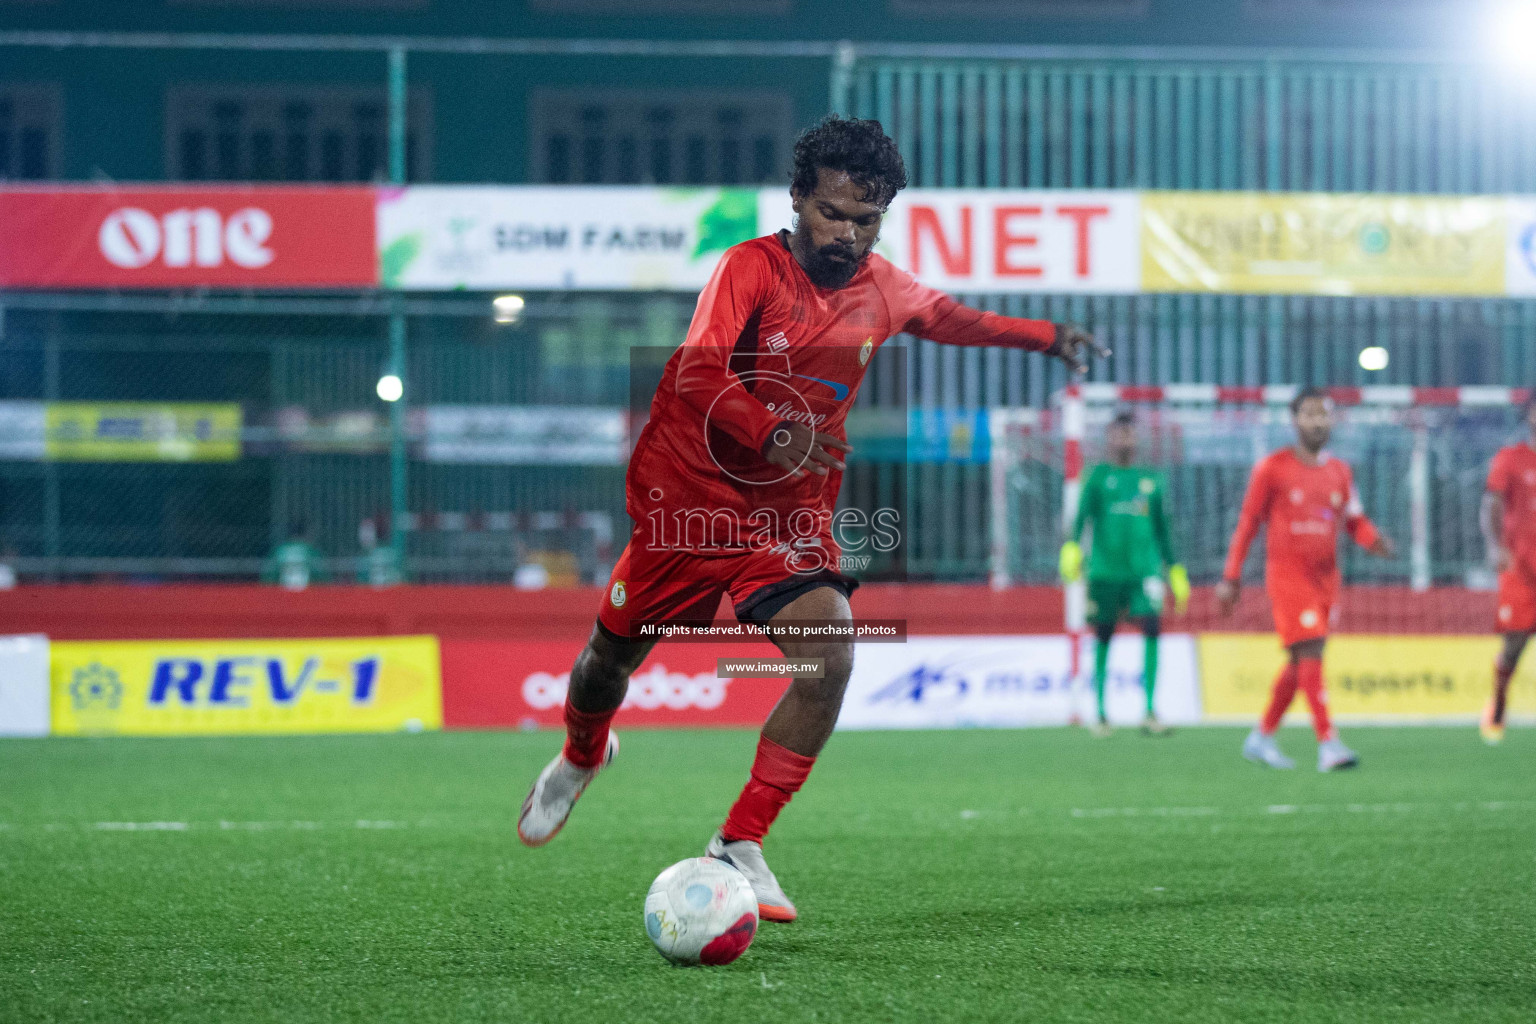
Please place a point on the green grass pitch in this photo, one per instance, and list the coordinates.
(1033, 875)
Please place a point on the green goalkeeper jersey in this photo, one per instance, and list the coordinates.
(1130, 523)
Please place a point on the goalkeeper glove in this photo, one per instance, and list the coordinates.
(1178, 583)
(1071, 561)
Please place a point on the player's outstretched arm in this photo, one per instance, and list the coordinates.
(1361, 529)
(1255, 509)
(1491, 519)
(929, 313)
(1178, 576)
(704, 376)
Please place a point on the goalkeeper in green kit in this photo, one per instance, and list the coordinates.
(1123, 506)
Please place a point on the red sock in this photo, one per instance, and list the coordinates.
(1309, 676)
(1501, 678)
(1280, 697)
(586, 735)
(777, 774)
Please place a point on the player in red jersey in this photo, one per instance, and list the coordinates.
(733, 479)
(1304, 495)
(1509, 526)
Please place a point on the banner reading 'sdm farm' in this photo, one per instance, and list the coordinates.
(473, 237)
(217, 687)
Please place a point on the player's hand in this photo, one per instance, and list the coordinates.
(1383, 548)
(1178, 586)
(1499, 559)
(801, 450)
(1073, 345)
(1227, 592)
(1071, 564)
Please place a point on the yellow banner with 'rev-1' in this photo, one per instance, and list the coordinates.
(221, 687)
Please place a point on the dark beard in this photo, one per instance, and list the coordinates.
(822, 265)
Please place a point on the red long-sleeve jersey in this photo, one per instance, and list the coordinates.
(766, 345)
(1303, 506)
(1512, 476)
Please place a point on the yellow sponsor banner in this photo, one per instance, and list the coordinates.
(1322, 244)
(142, 431)
(221, 687)
(1366, 676)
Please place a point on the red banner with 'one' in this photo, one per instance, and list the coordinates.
(188, 237)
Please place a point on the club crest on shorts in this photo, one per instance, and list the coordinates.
(865, 349)
(1506, 613)
(1310, 619)
(618, 595)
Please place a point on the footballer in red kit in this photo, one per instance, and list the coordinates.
(734, 479)
(1509, 527)
(1304, 496)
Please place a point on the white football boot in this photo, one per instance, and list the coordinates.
(747, 857)
(1264, 750)
(555, 792)
(1333, 756)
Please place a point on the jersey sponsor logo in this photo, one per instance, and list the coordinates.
(1297, 496)
(618, 595)
(788, 411)
(868, 347)
(1147, 486)
(1314, 527)
(839, 391)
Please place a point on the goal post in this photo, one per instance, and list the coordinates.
(1420, 457)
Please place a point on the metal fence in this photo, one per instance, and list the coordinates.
(1010, 119)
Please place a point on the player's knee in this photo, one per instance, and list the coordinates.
(837, 666)
(1105, 631)
(1152, 627)
(602, 670)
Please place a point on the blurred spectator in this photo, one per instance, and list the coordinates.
(380, 565)
(295, 563)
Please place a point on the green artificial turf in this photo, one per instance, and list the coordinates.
(1035, 875)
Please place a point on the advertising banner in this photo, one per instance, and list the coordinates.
(183, 236)
(1520, 257)
(224, 687)
(995, 241)
(490, 684)
(964, 681)
(142, 431)
(449, 237)
(1409, 677)
(519, 435)
(1322, 244)
(24, 699)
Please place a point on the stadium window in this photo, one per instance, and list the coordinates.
(289, 133)
(29, 132)
(659, 138)
(1020, 8)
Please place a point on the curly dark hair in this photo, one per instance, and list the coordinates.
(1305, 394)
(860, 148)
